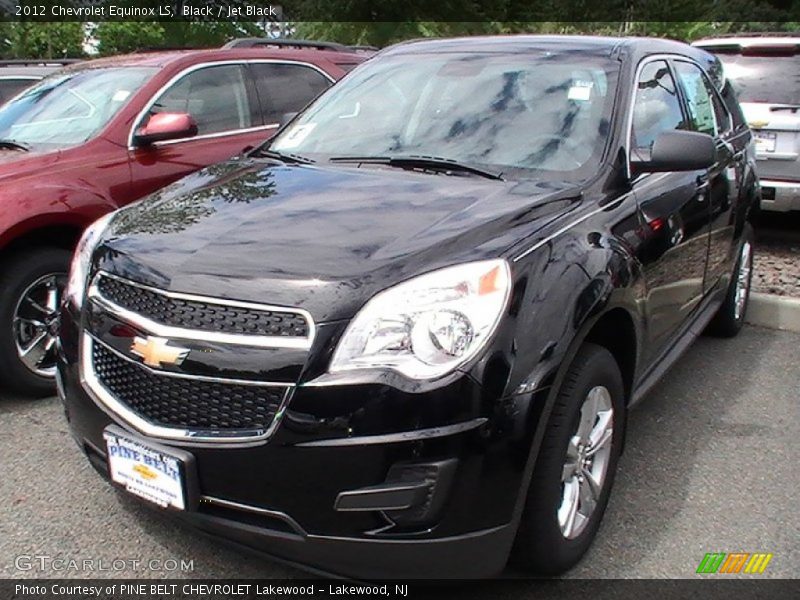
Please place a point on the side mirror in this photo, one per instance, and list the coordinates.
(165, 126)
(679, 151)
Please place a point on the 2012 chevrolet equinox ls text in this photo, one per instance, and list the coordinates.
(401, 340)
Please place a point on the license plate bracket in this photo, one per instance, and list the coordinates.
(164, 476)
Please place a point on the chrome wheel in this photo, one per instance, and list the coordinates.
(35, 324)
(743, 279)
(586, 464)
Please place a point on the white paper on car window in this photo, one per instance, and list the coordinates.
(295, 137)
(580, 90)
(120, 96)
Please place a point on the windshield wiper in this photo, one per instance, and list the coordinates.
(411, 161)
(284, 157)
(14, 145)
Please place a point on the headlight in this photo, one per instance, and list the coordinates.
(426, 327)
(82, 259)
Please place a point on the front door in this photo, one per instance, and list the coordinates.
(673, 210)
(223, 103)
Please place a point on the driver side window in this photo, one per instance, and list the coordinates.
(656, 109)
(216, 97)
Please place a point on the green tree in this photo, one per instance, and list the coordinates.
(120, 37)
(45, 39)
(208, 34)
(116, 37)
(5, 42)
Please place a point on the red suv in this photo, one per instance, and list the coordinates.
(101, 134)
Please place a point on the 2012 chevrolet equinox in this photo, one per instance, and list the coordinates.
(401, 339)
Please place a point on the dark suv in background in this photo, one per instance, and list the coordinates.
(765, 71)
(103, 133)
(402, 339)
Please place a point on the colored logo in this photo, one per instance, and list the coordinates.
(734, 562)
(145, 471)
(156, 351)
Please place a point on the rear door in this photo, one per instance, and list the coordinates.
(708, 114)
(673, 210)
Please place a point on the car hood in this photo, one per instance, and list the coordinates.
(320, 238)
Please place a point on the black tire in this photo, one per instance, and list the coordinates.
(540, 547)
(18, 273)
(726, 323)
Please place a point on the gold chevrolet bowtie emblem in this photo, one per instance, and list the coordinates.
(155, 351)
(758, 124)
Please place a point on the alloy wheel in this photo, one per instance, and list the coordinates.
(586, 465)
(743, 279)
(35, 324)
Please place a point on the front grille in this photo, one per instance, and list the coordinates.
(199, 315)
(190, 404)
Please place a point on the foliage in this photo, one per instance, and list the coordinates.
(42, 40)
(383, 33)
(115, 37)
(120, 37)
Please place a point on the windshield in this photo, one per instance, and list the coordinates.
(539, 113)
(69, 108)
(769, 78)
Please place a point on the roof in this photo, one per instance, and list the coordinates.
(183, 58)
(26, 72)
(525, 43)
(31, 68)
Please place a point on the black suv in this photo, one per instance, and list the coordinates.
(401, 340)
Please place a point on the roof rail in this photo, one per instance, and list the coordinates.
(38, 62)
(287, 43)
(144, 49)
(363, 48)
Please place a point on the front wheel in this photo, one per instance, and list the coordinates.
(31, 286)
(729, 319)
(575, 469)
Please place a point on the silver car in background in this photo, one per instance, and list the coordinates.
(765, 72)
(16, 75)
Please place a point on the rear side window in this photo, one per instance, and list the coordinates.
(285, 88)
(699, 97)
(656, 108)
(216, 97)
(11, 87)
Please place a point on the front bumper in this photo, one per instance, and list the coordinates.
(279, 496)
(780, 196)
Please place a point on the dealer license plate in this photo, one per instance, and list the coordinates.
(151, 474)
(765, 141)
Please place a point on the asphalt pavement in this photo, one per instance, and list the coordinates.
(710, 465)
